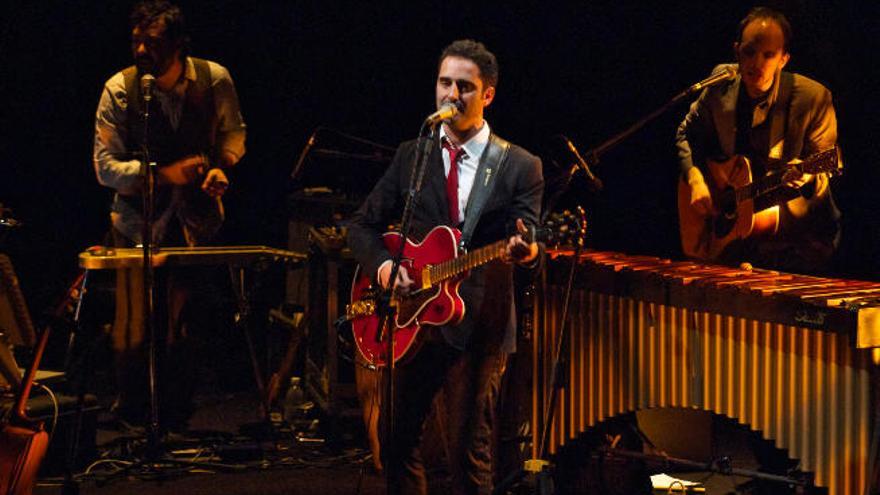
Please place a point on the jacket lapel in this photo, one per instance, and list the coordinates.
(726, 120)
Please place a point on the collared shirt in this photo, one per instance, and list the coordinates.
(763, 104)
(467, 164)
(114, 165)
(752, 137)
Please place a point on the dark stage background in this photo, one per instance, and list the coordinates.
(585, 69)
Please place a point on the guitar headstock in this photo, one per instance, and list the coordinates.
(563, 228)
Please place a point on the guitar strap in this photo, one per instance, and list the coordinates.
(491, 166)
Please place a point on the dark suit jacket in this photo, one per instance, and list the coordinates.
(488, 292)
(805, 126)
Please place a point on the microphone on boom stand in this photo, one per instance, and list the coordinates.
(593, 182)
(726, 74)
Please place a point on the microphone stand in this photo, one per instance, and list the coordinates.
(540, 466)
(153, 460)
(149, 187)
(592, 156)
(385, 306)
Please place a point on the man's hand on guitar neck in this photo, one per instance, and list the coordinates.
(403, 282)
(701, 198)
(794, 178)
(518, 249)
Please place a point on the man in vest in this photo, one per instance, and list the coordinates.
(195, 131)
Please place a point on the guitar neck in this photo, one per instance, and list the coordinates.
(821, 162)
(761, 186)
(461, 264)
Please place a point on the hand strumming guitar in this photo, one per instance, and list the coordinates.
(403, 282)
(700, 198)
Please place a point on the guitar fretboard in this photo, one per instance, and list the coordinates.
(473, 259)
(823, 161)
(759, 187)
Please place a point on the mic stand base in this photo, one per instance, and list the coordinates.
(537, 474)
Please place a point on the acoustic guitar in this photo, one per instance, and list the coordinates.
(23, 440)
(438, 267)
(734, 193)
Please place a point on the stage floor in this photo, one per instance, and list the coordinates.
(277, 463)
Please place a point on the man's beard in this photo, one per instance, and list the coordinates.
(146, 65)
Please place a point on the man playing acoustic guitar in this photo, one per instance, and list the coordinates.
(488, 187)
(741, 198)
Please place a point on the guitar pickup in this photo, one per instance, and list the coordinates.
(426, 277)
(360, 309)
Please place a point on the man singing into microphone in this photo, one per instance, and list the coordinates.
(195, 132)
(482, 184)
(772, 118)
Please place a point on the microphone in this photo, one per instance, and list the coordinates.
(594, 182)
(447, 111)
(147, 83)
(297, 169)
(727, 74)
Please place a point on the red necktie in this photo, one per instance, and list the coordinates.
(452, 179)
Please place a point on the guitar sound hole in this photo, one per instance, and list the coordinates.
(723, 225)
(727, 204)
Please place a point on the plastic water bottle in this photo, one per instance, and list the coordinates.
(293, 401)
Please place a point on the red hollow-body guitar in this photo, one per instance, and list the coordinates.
(437, 268)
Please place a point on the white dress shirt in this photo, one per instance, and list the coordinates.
(467, 165)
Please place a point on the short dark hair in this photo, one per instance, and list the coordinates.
(147, 12)
(771, 14)
(478, 54)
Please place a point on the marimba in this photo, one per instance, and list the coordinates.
(788, 355)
